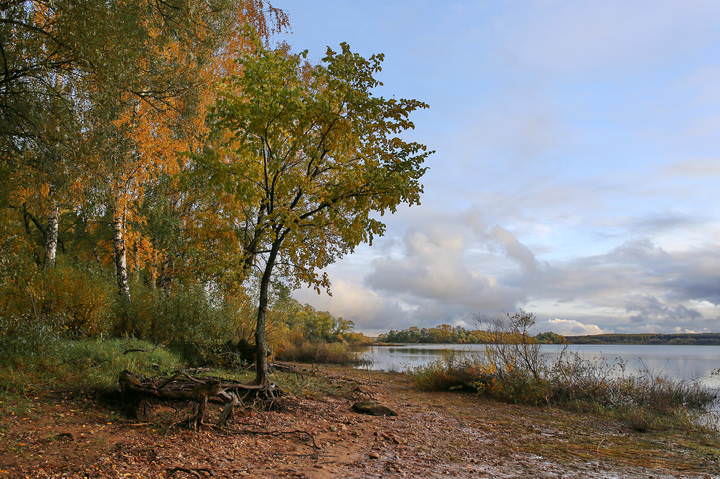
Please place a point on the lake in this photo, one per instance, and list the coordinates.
(678, 362)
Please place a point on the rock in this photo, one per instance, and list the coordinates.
(374, 455)
(372, 408)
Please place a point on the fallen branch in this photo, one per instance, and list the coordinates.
(288, 368)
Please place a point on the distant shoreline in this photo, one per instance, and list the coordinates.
(697, 339)
(679, 339)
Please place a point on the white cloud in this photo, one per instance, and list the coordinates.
(695, 168)
(571, 327)
(576, 169)
(448, 268)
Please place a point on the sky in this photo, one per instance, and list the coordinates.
(576, 167)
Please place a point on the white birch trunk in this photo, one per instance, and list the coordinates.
(51, 237)
(120, 254)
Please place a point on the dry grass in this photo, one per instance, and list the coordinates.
(642, 402)
(323, 353)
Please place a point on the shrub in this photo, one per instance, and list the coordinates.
(453, 372)
(23, 339)
(317, 352)
(185, 320)
(72, 300)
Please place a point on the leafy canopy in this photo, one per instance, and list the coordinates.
(313, 153)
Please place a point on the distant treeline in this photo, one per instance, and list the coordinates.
(445, 333)
(680, 338)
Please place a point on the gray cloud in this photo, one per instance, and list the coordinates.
(450, 268)
(514, 248)
(660, 222)
(433, 275)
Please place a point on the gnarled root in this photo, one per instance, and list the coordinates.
(181, 386)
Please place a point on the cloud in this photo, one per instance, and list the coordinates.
(450, 268)
(660, 222)
(434, 274)
(514, 248)
(369, 309)
(651, 309)
(569, 327)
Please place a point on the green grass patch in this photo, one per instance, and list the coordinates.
(73, 365)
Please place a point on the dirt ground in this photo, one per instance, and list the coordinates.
(435, 435)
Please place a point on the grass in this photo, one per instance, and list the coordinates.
(676, 450)
(80, 367)
(643, 402)
(68, 365)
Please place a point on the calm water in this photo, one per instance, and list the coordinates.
(679, 362)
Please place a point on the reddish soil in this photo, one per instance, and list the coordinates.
(435, 435)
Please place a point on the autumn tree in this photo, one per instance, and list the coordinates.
(35, 60)
(133, 78)
(39, 122)
(316, 156)
(149, 102)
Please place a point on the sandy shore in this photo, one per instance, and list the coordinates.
(435, 435)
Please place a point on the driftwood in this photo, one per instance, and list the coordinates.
(181, 386)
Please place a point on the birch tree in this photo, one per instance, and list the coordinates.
(149, 83)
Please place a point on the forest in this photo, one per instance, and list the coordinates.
(169, 175)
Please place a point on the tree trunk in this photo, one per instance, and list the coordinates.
(261, 356)
(51, 235)
(120, 254)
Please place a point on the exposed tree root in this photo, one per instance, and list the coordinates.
(181, 386)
